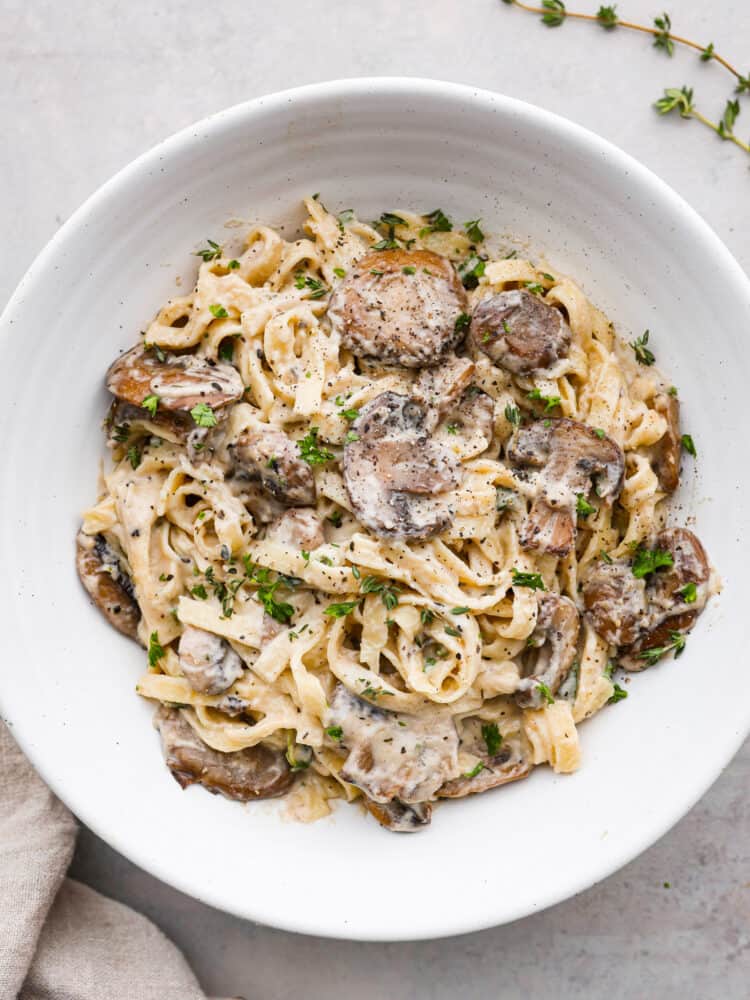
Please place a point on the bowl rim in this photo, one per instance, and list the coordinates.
(212, 126)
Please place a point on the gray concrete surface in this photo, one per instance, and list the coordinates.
(85, 87)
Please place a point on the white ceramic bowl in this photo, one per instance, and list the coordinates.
(67, 680)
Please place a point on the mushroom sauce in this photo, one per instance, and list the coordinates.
(387, 510)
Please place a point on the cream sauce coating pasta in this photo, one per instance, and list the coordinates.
(436, 629)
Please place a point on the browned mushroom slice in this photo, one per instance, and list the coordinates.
(399, 817)
(398, 478)
(125, 420)
(645, 616)
(552, 650)
(668, 451)
(300, 528)
(268, 456)
(181, 381)
(393, 755)
(107, 584)
(508, 762)
(572, 458)
(258, 772)
(615, 602)
(208, 662)
(400, 307)
(520, 332)
(439, 389)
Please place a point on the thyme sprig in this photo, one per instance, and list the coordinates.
(554, 13)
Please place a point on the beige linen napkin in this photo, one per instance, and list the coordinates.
(60, 940)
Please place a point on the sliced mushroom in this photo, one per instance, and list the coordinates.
(642, 615)
(552, 649)
(398, 478)
(258, 772)
(615, 602)
(392, 755)
(400, 307)
(439, 389)
(181, 381)
(208, 662)
(668, 451)
(473, 419)
(398, 816)
(520, 332)
(570, 456)
(268, 456)
(300, 528)
(510, 762)
(107, 583)
(124, 420)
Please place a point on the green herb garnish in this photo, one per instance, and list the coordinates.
(532, 580)
(203, 415)
(311, 452)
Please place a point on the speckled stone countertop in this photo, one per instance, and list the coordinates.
(86, 87)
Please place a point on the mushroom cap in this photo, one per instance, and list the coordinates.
(398, 816)
(107, 584)
(569, 455)
(520, 332)
(553, 648)
(393, 756)
(398, 317)
(258, 772)
(208, 662)
(640, 614)
(398, 478)
(269, 457)
(511, 762)
(439, 389)
(181, 381)
(668, 451)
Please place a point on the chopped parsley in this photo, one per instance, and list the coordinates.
(599, 432)
(583, 507)
(155, 649)
(391, 220)
(339, 272)
(647, 561)
(311, 452)
(513, 415)
(449, 630)
(462, 322)
(233, 265)
(341, 610)
(316, 287)
(617, 695)
(408, 269)
(459, 611)
(335, 732)
(474, 771)
(471, 270)
(351, 436)
(689, 445)
(452, 428)
(426, 616)
(492, 738)
(689, 593)
(643, 354)
(203, 415)
(605, 557)
(211, 252)
(386, 245)
(550, 402)
(335, 519)
(473, 231)
(218, 311)
(150, 403)
(534, 287)
(134, 455)
(200, 592)
(388, 591)
(532, 580)
(226, 348)
(437, 222)
(545, 692)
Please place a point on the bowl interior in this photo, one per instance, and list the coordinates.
(67, 685)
